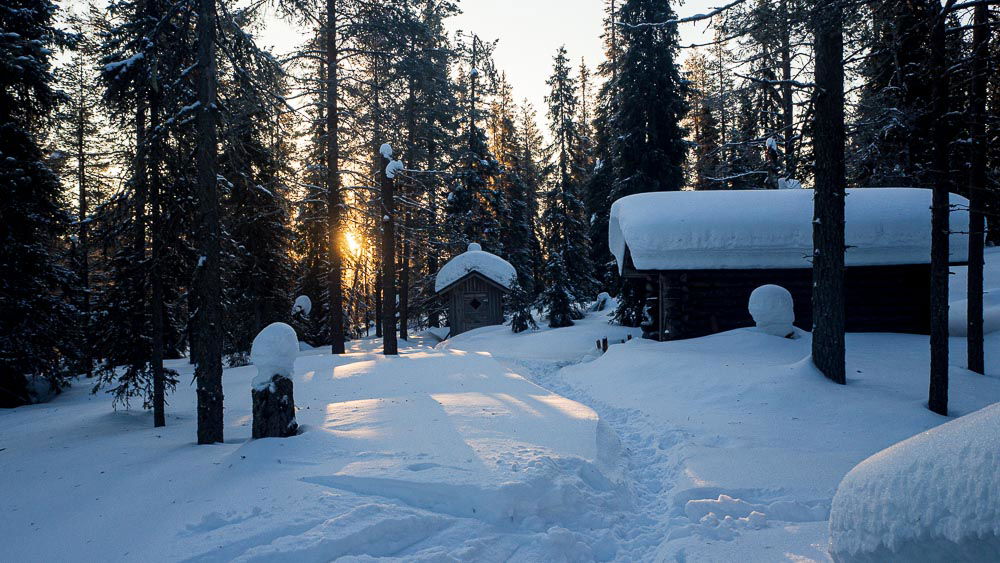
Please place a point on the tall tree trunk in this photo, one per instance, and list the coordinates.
(937, 399)
(155, 273)
(828, 348)
(977, 188)
(408, 192)
(787, 102)
(334, 199)
(389, 345)
(433, 317)
(84, 234)
(141, 188)
(207, 279)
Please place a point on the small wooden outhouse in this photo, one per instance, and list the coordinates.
(472, 286)
(697, 255)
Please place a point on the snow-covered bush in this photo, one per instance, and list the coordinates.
(273, 352)
(932, 497)
(772, 310)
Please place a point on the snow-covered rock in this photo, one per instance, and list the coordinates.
(302, 306)
(771, 307)
(273, 352)
(476, 260)
(738, 229)
(933, 497)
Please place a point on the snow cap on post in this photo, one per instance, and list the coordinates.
(302, 306)
(392, 168)
(273, 352)
(386, 151)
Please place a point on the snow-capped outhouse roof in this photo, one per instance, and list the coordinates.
(756, 229)
(476, 260)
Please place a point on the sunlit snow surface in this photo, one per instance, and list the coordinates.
(491, 446)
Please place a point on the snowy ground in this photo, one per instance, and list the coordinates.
(491, 446)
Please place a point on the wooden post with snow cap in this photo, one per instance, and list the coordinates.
(273, 352)
(389, 344)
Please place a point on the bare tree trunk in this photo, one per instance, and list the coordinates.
(389, 345)
(937, 399)
(787, 102)
(84, 265)
(828, 348)
(139, 210)
(433, 318)
(156, 278)
(977, 188)
(207, 278)
(334, 197)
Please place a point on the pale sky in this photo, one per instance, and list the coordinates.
(529, 31)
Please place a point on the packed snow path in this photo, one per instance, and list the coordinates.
(491, 446)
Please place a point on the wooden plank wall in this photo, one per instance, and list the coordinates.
(879, 299)
(456, 303)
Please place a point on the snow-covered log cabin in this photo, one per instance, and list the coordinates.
(701, 254)
(472, 286)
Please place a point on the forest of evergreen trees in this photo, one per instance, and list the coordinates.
(170, 187)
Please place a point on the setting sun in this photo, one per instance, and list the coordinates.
(353, 243)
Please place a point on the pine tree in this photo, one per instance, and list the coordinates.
(473, 207)
(33, 217)
(648, 146)
(568, 271)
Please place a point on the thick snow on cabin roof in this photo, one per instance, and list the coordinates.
(748, 229)
(476, 260)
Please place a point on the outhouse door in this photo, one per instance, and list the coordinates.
(476, 309)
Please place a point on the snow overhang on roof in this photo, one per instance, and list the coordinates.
(489, 265)
(755, 229)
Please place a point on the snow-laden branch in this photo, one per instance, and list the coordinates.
(689, 19)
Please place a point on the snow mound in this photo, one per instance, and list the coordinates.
(303, 305)
(476, 260)
(933, 497)
(958, 313)
(772, 310)
(745, 229)
(273, 352)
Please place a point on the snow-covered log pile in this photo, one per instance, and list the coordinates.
(476, 260)
(749, 229)
(933, 497)
(273, 352)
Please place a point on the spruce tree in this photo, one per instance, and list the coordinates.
(33, 217)
(648, 101)
(568, 272)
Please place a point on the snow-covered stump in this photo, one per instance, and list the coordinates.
(273, 352)
(773, 310)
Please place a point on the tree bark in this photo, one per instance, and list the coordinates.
(937, 399)
(84, 233)
(828, 347)
(977, 189)
(334, 199)
(141, 188)
(156, 278)
(207, 279)
(389, 345)
(787, 101)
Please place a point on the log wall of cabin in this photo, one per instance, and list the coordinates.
(879, 299)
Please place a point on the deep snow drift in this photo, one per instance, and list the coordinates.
(933, 497)
(491, 446)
